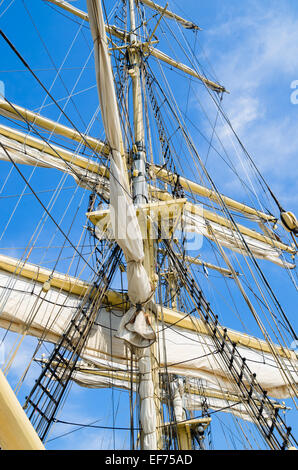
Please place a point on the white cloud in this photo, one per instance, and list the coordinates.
(261, 43)
(257, 63)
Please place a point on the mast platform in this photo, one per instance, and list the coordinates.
(185, 430)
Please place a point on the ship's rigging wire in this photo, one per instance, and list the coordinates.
(138, 429)
(52, 272)
(48, 325)
(179, 266)
(253, 311)
(246, 153)
(51, 320)
(56, 196)
(25, 63)
(278, 366)
(42, 425)
(185, 39)
(223, 392)
(9, 196)
(74, 430)
(7, 8)
(267, 285)
(58, 71)
(63, 177)
(250, 409)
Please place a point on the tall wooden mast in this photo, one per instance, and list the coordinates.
(140, 191)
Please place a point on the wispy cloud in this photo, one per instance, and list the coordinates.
(257, 63)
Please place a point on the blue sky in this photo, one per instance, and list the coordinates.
(253, 49)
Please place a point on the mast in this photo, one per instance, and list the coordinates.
(225, 342)
(16, 431)
(140, 196)
(140, 191)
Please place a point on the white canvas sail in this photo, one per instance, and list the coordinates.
(198, 223)
(125, 379)
(134, 328)
(189, 353)
(196, 366)
(26, 155)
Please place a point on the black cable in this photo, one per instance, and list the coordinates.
(56, 103)
(44, 207)
(234, 361)
(116, 428)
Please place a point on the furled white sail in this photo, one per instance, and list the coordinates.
(83, 172)
(188, 353)
(168, 14)
(225, 236)
(193, 396)
(134, 327)
(22, 153)
(195, 402)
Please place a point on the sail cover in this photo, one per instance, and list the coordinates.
(134, 328)
(196, 222)
(202, 395)
(26, 155)
(24, 307)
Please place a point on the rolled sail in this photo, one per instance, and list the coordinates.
(196, 394)
(198, 222)
(58, 159)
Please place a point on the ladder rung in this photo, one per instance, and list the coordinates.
(69, 341)
(35, 407)
(55, 375)
(48, 393)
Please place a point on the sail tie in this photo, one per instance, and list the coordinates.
(135, 327)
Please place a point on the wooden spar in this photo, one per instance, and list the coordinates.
(103, 149)
(146, 48)
(169, 177)
(16, 431)
(54, 150)
(94, 167)
(170, 14)
(200, 262)
(17, 112)
(114, 300)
